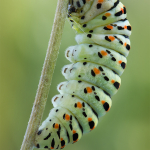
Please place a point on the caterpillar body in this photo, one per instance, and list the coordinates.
(98, 61)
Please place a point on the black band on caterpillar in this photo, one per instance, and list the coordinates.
(98, 61)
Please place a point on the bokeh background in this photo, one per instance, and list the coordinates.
(25, 27)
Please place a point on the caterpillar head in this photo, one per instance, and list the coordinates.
(75, 6)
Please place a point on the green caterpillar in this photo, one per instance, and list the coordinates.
(98, 61)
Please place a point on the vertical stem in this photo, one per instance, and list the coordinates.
(46, 76)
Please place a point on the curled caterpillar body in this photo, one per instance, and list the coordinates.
(98, 61)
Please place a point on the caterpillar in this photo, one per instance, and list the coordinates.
(98, 61)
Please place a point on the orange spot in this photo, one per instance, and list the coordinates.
(75, 141)
(79, 105)
(52, 147)
(63, 146)
(100, 1)
(56, 126)
(113, 81)
(111, 38)
(108, 109)
(61, 139)
(108, 14)
(120, 61)
(74, 131)
(89, 119)
(125, 44)
(96, 71)
(103, 102)
(109, 27)
(67, 117)
(122, 10)
(104, 53)
(125, 27)
(93, 128)
(89, 90)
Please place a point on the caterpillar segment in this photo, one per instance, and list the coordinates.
(98, 61)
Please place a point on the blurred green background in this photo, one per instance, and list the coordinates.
(25, 28)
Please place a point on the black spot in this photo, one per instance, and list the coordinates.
(91, 31)
(75, 105)
(114, 72)
(123, 65)
(84, 63)
(79, 125)
(113, 58)
(91, 124)
(53, 143)
(118, 14)
(72, 95)
(125, 11)
(79, 81)
(92, 73)
(117, 85)
(62, 143)
(103, 73)
(84, 114)
(75, 136)
(120, 28)
(84, 26)
(99, 5)
(115, 5)
(97, 98)
(125, 36)
(107, 39)
(89, 35)
(85, 58)
(47, 136)
(122, 20)
(50, 120)
(85, 90)
(39, 132)
(70, 125)
(106, 106)
(58, 133)
(70, 117)
(104, 17)
(106, 93)
(46, 147)
(100, 68)
(121, 42)
(84, 1)
(57, 147)
(99, 54)
(64, 116)
(93, 88)
(68, 137)
(56, 110)
(46, 128)
(128, 47)
(71, 21)
(129, 28)
(105, 28)
(108, 51)
(82, 17)
(38, 146)
(90, 45)
(106, 78)
(83, 104)
(78, 4)
(79, 76)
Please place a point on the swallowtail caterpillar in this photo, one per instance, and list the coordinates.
(97, 63)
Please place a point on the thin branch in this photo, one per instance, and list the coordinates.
(46, 76)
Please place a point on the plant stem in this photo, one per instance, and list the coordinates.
(46, 76)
